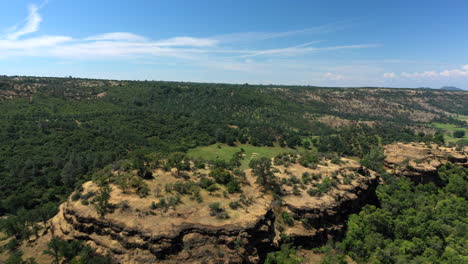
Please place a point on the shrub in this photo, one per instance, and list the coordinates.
(187, 187)
(287, 218)
(234, 205)
(347, 181)
(234, 186)
(459, 134)
(374, 159)
(296, 191)
(221, 176)
(212, 188)
(88, 195)
(217, 210)
(306, 177)
(247, 201)
(313, 192)
(205, 182)
(76, 196)
(143, 190)
(197, 196)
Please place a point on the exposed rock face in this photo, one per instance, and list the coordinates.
(190, 243)
(189, 234)
(420, 162)
(317, 219)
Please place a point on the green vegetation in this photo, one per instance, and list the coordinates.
(225, 152)
(374, 160)
(287, 255)
(69, 131)
(57, 137)
(73, 252)
(415, 224)
(101, 201)
(218, 211)
(452, 132)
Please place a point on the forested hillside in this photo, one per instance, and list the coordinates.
(55, 131)
(58, 133)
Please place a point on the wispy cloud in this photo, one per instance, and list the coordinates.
(115, 36)
(30, 25)
(258, 36)
(389, 75)
(305, 48)
(126, 44)
(333, 76)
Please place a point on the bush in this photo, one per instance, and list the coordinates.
(187, 187)
(459, 134)
(306, 177)
(234, 186)
(286, 255)
(234, 205)
(313, 192)
(296, 191)
(287, 218)
(217, 210)
(221, 175)
(205, 182)
(76, 196)
(374, 159)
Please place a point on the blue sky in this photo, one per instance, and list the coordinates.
(330, 43)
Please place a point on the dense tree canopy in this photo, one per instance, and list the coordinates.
(415, 224)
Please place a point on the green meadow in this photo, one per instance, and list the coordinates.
(450, 128)
(225, 152)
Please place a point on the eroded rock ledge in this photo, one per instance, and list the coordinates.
(420, 161)
(190, 234)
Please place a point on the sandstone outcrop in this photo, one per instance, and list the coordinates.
(314, 207)
(420, 161)
(137, 234)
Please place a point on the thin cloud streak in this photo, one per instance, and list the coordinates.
(461, 72)
(259, 36)
(127, 45)
(31, 25)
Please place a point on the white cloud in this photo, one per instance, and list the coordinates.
(462, 72)
(214, 53)
(304, 49)
(420, 74)
(31, 25)
(188, 41)
(33, 43)
(123, 36)
(334, 76)
(389, 75)
(454, 73)
(258, 36)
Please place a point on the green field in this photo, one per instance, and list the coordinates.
(450, 128)
(225, 152)
(462, 118)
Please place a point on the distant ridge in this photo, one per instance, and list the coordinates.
(451, 88)
(445, 88)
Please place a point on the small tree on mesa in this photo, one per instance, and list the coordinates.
(101, 201)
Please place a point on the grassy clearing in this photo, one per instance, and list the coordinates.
(225, 152)
(450, 128)
(462, 118)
